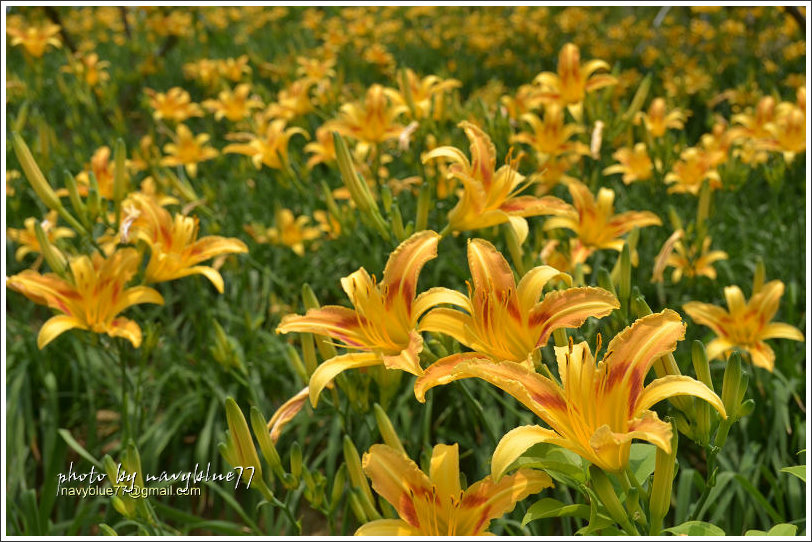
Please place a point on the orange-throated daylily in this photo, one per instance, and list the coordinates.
(175, 249)
(551, 137)
(373, 121)
(188, 150)
(422, 96)
(174, 105)
(657, 119)
(382, 327)
(491, 196)
(35, 39)
(596, 223)
(596, 410)
(691, 170)
(269, 146)
(27, 237)
(91, 298)
(436, 504)
(745, 325)
(506, 321)
(634, 163)
(234, 104)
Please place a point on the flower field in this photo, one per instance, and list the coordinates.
(406, 271)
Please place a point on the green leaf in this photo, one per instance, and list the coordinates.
(79, 449)
(798, 470)
(696, 528)
(641, 460)
(552, 508)
(562, 465)
(782, 529)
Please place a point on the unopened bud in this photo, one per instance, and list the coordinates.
(339, 485)
(266, 445)
(702, 415)
(639, 98)
(662, 483)
(730, 385)
(296, 460)
(52, 255)
(390, 437)
(397, 224)
(606, 494)
(75, 200)
(34, 174)
(120, 177)
(423, 205)
(239, 449)
(758, 276)
(358, 479)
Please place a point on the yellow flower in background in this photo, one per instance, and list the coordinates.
(92, 298)
(551, 137)
(88, 68)
(787, 133)
(658, 119)
(745, 325)
(268, 147)
(426, 94)
(634, 164)
(372, 121)
(174, 105)
(506, 321)
(175, 249)
(315, 68)
(596, 410)
(327, 223)
(35, 39)
(288, 231)
(436, 505)
(234, 105)
(103, 169)
(718, 143)
(596, 224)
(690, 171)
(204, 70)
(382, 326)
(292, 102)
(573, 80)
(233, 68)
(566, 257)
(323, 149)
(27, 237)
(754, 125)
(378, 55)
(689, 261)
(526, 99)
(491, 196)
(188, 150)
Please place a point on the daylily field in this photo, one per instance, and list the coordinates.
(405, 271)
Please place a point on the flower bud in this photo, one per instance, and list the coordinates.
(76, 200)
(358, 479)
(120, 178)
(296, 460)
(397, 224)
(265, 443)
(661, 484)
(309, 353)
(730, 384)
(423, 206)
(390, 437)
(239, 450)
(702, 415)
(52, 255)
(356, 507)
(758, 276)
(326, 348)
(639, 98)
(606, 494)
(296, 363)
(339, 483)
(386, 198)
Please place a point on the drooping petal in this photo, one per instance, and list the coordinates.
(126, 328)
(707, 315)
(337, 322)
(442, 372)
(533, 282)
(762, 355)
(570, 308)
(533, 206)
(409, 358)
(717, 347)
(611, 448)
(487, 499)
(779, 330)
(397, 479)
(136, 295)
(286, 412)
(672, 385)
(437, 296)
(515, 443)
(331, 368)
(448, 322)
(387, 527)
(56, 326)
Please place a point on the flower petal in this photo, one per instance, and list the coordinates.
(707, 315)
(126, 328)
(762, 355)
(403, 267)
(779, 330)
(397, 479)
(570, 308)
(671, 385)
(448, 322)
(387, 527)
(409, 358)
(515, 443)
(331, 368)
(337, 322)
(286, 412)
(533, 282)
(489, 269)
(444, 471)
(438, 295)
(56, 326)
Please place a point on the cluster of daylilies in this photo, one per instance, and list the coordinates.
(331, 142)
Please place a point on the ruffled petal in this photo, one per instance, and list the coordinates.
(570, 308)
(397, 479)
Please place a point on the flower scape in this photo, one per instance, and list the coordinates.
(407, 270)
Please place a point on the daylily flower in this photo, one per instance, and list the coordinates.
(35, 39)
(690, 171)
(634, 164)
(91, 298)
(566, 259)
(323, 149)
(175, 105)
(596, 224)
(526, 99)
(289, 231)
(88, 68)
(315, 69)
(234, 68)
(787, 133)
(103, 169)
(175, 249)
(745, 325)
(234, 105)
(268, 147)
(686, 261)
(596, 410)
(27, 237)
(436, 505)
(506, 321)
(293, 101)
(551, 137)
(425, 94)
(754, 125)
(382, 327)
(491, 196)
(657, 120)
(188, 150)
(204, 70)
(573, 80)
(373, 121)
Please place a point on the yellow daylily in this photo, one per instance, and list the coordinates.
(787, 133)
(91, 298)
(35, 39)
(233, 68)
(491, 196)
(27, 237)
(554, 254)
(425, 94)
(103, 169)
(175, 249)
(89, 68)
(175, 105)
(745, 325)
(289, 231)
(293, 101)
(436, 505)
(596, 224)
(234, 105)
(658, 119)
(690, 171)
(382, 327)
(687, 260)
(634, 164)
(596, 410)
(373, 121)
(755, 125)
(268, 147)
(506, 321)
(573, 80)
(551, 137)
(188, 150)
(323, 149)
